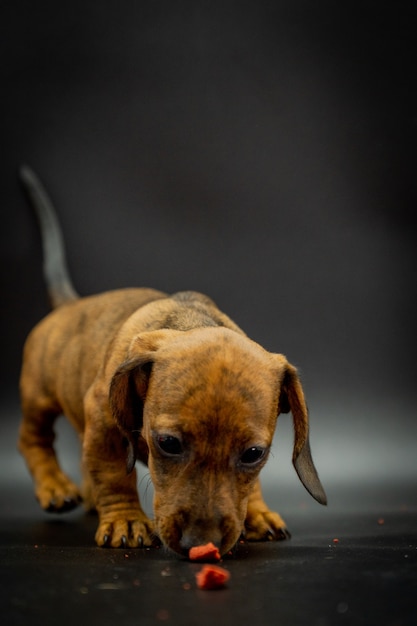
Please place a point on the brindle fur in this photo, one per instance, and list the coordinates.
(130, 365)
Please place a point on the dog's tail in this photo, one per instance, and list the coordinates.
(55, 270)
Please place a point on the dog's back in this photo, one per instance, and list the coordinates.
(58, 343)
(105, 323)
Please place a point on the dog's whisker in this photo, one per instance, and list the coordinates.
(145, 486)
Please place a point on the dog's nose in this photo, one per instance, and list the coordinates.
(191, 538)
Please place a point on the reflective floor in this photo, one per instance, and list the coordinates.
(354, 562)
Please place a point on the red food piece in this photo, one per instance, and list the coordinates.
(209, 552)
(212, 577)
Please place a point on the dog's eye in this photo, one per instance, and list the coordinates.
(252, 455)
(169, 445)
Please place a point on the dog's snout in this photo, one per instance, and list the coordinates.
(199, 534)
(196, 530)
(223, 530)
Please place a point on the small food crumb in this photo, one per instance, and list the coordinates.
(186, 586)
(212, 577)
(381, 521)
(208, 552)
(335, 540)
(166, 572)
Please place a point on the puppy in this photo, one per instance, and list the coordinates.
(167, 380)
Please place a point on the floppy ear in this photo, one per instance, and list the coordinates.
(128, 389)
(129, 386)
(292, 399)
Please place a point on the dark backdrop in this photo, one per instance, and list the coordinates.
(261, 152)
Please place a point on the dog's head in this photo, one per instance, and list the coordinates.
(206, 402)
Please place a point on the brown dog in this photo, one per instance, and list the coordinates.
(168, 380)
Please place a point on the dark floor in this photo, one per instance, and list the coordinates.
(353, 562)
(52, 572)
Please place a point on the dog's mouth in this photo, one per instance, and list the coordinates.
(180, 539)
(184, 552)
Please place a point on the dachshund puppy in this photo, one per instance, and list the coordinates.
(170, 381)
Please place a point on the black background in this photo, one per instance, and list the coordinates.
(265, 154)
(261, 152)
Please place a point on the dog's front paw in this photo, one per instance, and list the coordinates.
(125, 532)
(265, 525)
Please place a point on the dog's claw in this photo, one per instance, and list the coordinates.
(266, 526)
(283, 533)
(280, 534)
(62, 506)
(70, 503)
(51, 508)
(124, 533)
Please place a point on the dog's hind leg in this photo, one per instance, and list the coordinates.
(53, 489)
